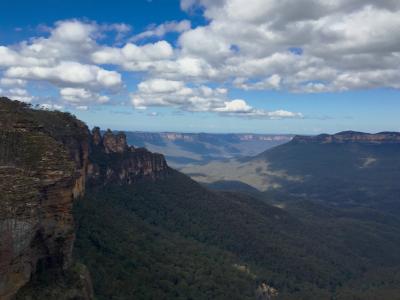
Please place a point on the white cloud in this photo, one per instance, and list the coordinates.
(272, 82)
(67, 73)
(306, 41)
(78, 96)
(199, 98)
(235, 106)
(62, 59)
(12, 82)
(239, 107)
(160, 86)
(73, 32)
(132, 57)
(306, 46)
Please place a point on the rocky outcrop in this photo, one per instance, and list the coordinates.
(114, 143)
(46, 160)
(351, 137)
(114, 162)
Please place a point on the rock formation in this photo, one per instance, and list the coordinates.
(113, 161)
(114, 143)
(46, 160)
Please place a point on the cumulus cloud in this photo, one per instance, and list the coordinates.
(301, 46)
(67, 73)
(62, 59)
(163, 92)
(307, 46)
(132, 57)
(77, 96)
(299, 41)
(239, 107)
(199, 98)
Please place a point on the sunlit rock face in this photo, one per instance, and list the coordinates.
(46, 160)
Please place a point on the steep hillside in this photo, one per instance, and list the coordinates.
(182, 149)
(173, 239)
(47, 158)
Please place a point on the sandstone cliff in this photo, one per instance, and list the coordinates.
(46, 160)
(112, 161)
(43, 159)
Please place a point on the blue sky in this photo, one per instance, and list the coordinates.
(207, 66)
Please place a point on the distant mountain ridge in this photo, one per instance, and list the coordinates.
(366, 164)
(173, 136)
(350, 137)
(181, 149)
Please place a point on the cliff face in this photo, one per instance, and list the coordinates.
(113, 161)
(46, 160)
(42, 170)
(351, 137)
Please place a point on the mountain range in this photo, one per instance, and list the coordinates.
(84, 215)
(181, 149)
(347, 167)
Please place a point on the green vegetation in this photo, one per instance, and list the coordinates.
(73, 283)
(351, 174)
(174, 239)
(131, 257)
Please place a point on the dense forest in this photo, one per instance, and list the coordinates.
(174, 239)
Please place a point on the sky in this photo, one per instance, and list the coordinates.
(254, 66)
